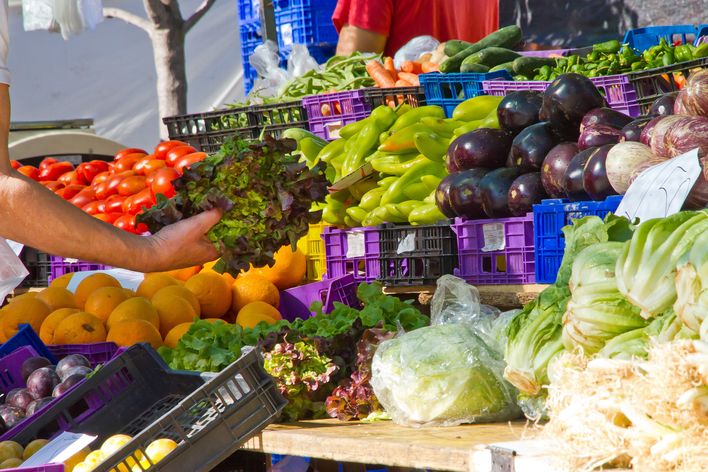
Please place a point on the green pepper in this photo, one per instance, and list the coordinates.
(357, 214)
(444, 127)
(394, 214)
(415, 115)
(360, 188)
(425, 214)
(683, 53)
(364, 144)
(701, 51)
(331, 150)
(408, 206)
(395, 164)
(431, 145)
(387, 181)
(371, 199)
(431, 182)
(352, 129)
(402, 109)
(384, 116)
(394, 193)
(593, 56)
(416, 191)
(668, 58)
(401, 142)
(471, 126)
(376, 217)
(310, 149)
(476, 108)
(545, 72)
(638, 66)
(349, 222)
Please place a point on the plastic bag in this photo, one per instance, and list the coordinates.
(38, 15)
(271, 78)
(12, 271)
(91, 12)
(442, 375)
(66, 14)
(456, 301)
(415, 48)
(300, 62)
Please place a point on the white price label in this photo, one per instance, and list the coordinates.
(59, 449)
(333, 128)
(493, 234)
(286, 32)
(407, 244)
(661, 190)
(355, 244)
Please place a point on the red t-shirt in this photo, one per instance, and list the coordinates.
(402, 20)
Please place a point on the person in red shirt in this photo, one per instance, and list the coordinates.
(386, 25)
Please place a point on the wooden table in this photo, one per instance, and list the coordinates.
(500, 296)
(458, 448)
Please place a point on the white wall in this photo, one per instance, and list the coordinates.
(109, 75)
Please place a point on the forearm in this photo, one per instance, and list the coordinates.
(352, 38)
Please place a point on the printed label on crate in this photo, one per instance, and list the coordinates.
(333, 129)
(59, 449)
(493, 234)
(355, 244)
(407, 244)
(661, 190)
(286, 32)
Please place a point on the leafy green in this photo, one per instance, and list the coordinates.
(265, 195)
(692, 286)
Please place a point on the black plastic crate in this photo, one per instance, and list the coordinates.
(209, 425)
(414, 96)
(38, 265)
(416, 255)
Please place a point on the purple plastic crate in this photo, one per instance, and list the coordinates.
(11, 368)
(96, 353)
(702, 40)
(352, 251)
(39, 468)
(329, 112)
(61, 266)
(296, 302)
(496, 251)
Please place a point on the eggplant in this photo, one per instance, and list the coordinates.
(525, 191)
(573, 180)
(648, 130)
(663, 105)
(554, 167)
(442, 196)
(595, 181)
(698, 196)
(530, 147)
(633, 131)
(605, 116)
(567, 100)
(494, 189)
(693, 97)
(622, 159)
(483, 147)
(519, 110)
(689, 133)
(464, 195)
(598, 135)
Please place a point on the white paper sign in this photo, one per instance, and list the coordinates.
(661, 190)
(493, 234)
(127, 278)
(355, 244)
(59, 449)
(406, 244)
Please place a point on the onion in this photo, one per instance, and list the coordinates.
(693, 98)
(622, 160)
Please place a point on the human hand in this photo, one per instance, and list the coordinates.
(184, 243)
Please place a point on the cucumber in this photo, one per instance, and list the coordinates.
(529, 65)
(454, 46)
(506, 37)
(491, 56)
(477, 68)
(507, 66)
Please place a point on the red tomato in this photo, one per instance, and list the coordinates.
(101, 206)
(53, 185)
(162, 182)
(174, 154)
(127, 162)
(108, 217)
(68, 178)
(30, 171)
(110, 186)
(93, 208)
(70, 191)
(114, 203)
(163, 147)
(127, 223)
(134, 204)
(148, 164)
(15, 165)
(124, 152)
(188, 160)
(46, 162)
(84, 197)
(102, 177)
(87, 171)
(56, 170)
(131, 185)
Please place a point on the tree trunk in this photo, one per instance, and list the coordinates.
(168, 50)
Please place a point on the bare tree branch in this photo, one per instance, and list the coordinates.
(128, 17)
(198, 14)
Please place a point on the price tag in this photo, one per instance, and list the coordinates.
(59, 449)
(355, 244)
(333, 128)
(286, 33)
(407, 244)
(661, 190)
(493, 234)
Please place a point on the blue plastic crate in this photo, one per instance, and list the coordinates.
(449, 90)
(304, 22)
(549, 217)
(644, 38)
(248, 10)
(27, 337)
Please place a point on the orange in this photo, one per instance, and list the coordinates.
(62, 281)
(209, 267)
(129, 332)
(154, 282)
(213, 293)
(129, 293)
(50, 323)
(137, 308)
(255, 312)
(172, 291)
(91, 283)
(57, 297)
(253, 288)
(289, 268)
(28, 310)
(80, 328)
(172, 312)
(176, 334)
(104, 300)
(184, 274)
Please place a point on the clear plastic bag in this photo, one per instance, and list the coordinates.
(12, 271)
(271, 78)
(91, 12)
(66, 14)
(456, 301)
(38, 15)
(415, 48)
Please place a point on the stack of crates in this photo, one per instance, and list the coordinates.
(306, 22)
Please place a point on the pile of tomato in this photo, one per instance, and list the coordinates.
(117, 191)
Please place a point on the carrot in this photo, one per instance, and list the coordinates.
(413, 67)
(408, 77)
(388, 65)
(403, 83)
(380, 75)
(430, 67)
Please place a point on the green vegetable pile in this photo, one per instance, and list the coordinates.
(265, 194)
